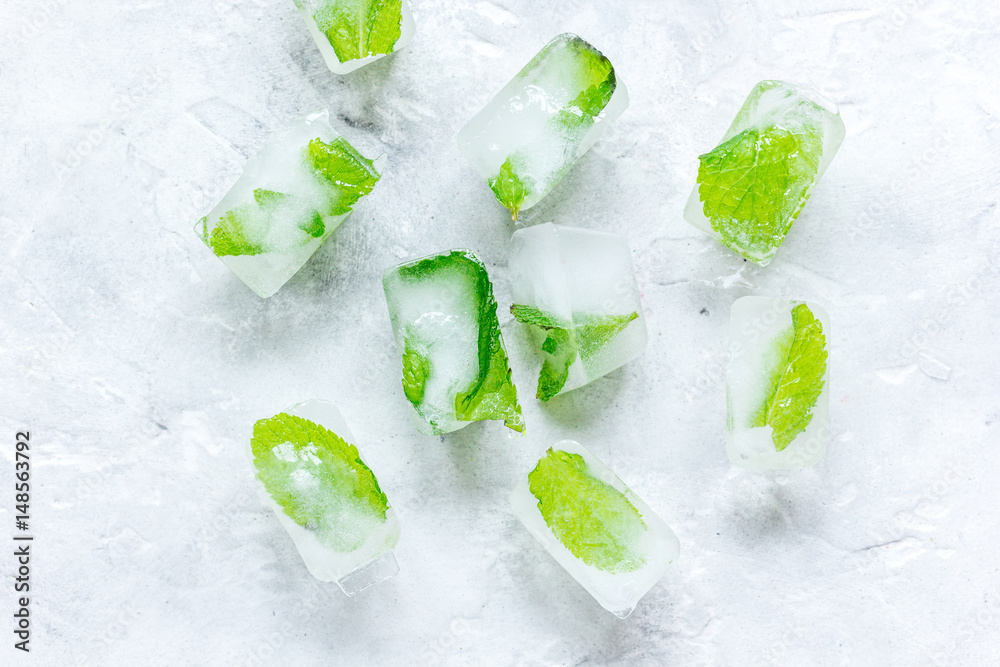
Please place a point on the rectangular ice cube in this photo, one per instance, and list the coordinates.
(610, 541)
(444, 319)
(753, 185)
(292, 195)
(776, 383)
(576, 292)
(525, 140)
(352, 33)
(328, 500)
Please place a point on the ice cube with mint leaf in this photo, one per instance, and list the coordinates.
(311, 474)
(454, 363)
(532, 132)
(753, 185)
(777, 384)
(594, 526)
(305, 180)
(353, 33)
(575, 292)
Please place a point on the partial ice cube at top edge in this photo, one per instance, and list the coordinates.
(604, 535)
(575, 291)
(353, 33)
(298, 188)
(753, 185)
(777, 383)
(525, 140)
(311, 474)
(454, 364)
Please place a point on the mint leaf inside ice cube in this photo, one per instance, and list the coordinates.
(598, 330)
(229, 236)
(348, 174)
(754, 185)
(416, 369)
(596, 77)
(591, 518)
(360, 28)
(797, 383)
(318, 479)
(510, 185)
(492, 394)
(563, 342)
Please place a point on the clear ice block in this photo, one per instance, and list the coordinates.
(777, 389)
(292, 195)
(594, 526)
(454, 363)
(328, 500)
(575, 290)
(753, 185)
(352, 33)
(525, 140)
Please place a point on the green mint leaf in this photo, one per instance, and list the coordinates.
(798, 382)
(592, 519)
(597, 331)
(559, 347)
(754, 185)
(349, 174)
(318, 479)
(598, 76)
(268, 197)
(492, 395)
(536, 317)
(509, 186)
(416, 369)
(360, 28)
(229, 236)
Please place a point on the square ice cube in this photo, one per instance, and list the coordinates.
(576, 292)
(777, 387)
(312, 475)
(352, 33)
(444, 319)
(292, 195)
(604, 535)
(525, 140)
(753, 185)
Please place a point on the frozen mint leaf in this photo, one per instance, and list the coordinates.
(509, 186)
(349, 175)
(416, 369)
(559, 347)
(754, 185)
(592, 519)
(598, 330)
(531, 315)
(229, 235)
(597, 77)
(268, 197)
(318, 479)
(360, 28)
(798, 382)
(493, 394)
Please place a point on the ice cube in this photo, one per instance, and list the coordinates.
(594, 526)
(292, 195)
(525, 140)
(753, 185)
(313, 477)
(776, 383)
(444, 319)
(575, 290)
(352, 33)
